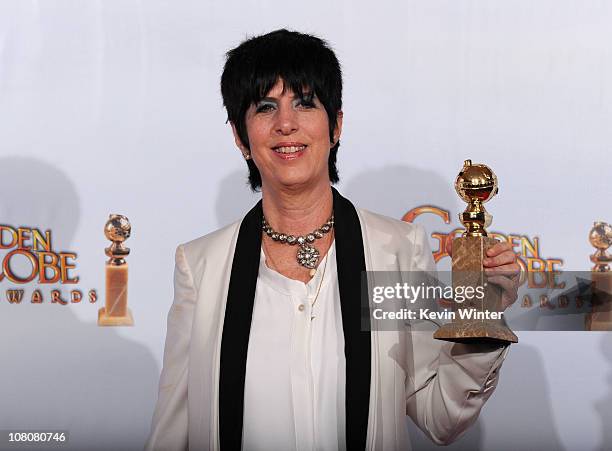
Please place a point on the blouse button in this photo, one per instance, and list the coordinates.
(301, 307)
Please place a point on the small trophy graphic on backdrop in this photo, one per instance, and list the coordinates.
(600, 318)
(115, 311)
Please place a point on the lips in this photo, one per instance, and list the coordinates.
(288, 148)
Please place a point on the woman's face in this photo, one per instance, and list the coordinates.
(289, 139)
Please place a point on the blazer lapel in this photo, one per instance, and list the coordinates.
(350, 261)
(236, 329)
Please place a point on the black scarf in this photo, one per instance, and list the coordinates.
(237, 325)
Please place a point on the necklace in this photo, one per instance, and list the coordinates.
(318, 289)
(307, 255)
(312, 273)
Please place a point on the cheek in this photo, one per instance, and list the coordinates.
(257, 134)
(319, 129)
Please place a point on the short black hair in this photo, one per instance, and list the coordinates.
(302, 61)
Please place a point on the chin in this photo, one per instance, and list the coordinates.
(296, 180)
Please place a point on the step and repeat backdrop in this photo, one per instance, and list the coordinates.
(115, 108)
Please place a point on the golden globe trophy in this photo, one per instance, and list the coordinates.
(475, 184)
(115, 311)
(600, 317)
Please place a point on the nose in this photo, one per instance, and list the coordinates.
(286, 120)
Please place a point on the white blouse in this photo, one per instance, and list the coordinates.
(294, 394)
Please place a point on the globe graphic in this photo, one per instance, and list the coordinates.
(601, 235)
(117, 228)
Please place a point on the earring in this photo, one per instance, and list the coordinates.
(246, 153)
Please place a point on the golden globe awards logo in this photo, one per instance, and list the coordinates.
(44, 266)
(536, 271)
(528, 250)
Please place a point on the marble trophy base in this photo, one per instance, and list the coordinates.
(598, 322)
(466, 331)
(115, 311)
(107, 320)
(468, 253)
(600, 319)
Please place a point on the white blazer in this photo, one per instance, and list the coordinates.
(442, 386)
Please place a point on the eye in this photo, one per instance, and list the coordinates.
(306, 103)
(264, 108)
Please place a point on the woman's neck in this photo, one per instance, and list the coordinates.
(297, 211)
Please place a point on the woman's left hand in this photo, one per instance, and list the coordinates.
(501, 268)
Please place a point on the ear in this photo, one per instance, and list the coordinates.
(237, 139)
(246, 153)
(338, 129)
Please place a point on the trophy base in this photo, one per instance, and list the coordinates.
(106, 320)
(600, 318)
(475, 331)
(595, 322)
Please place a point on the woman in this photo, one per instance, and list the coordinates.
(265, 348)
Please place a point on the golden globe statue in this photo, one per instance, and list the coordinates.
(600, 317)
(115, 311)
(477, 318)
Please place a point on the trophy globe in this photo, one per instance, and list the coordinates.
(600, 237)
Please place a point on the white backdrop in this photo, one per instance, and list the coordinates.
(114, 107)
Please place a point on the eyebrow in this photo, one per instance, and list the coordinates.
(306, 95)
